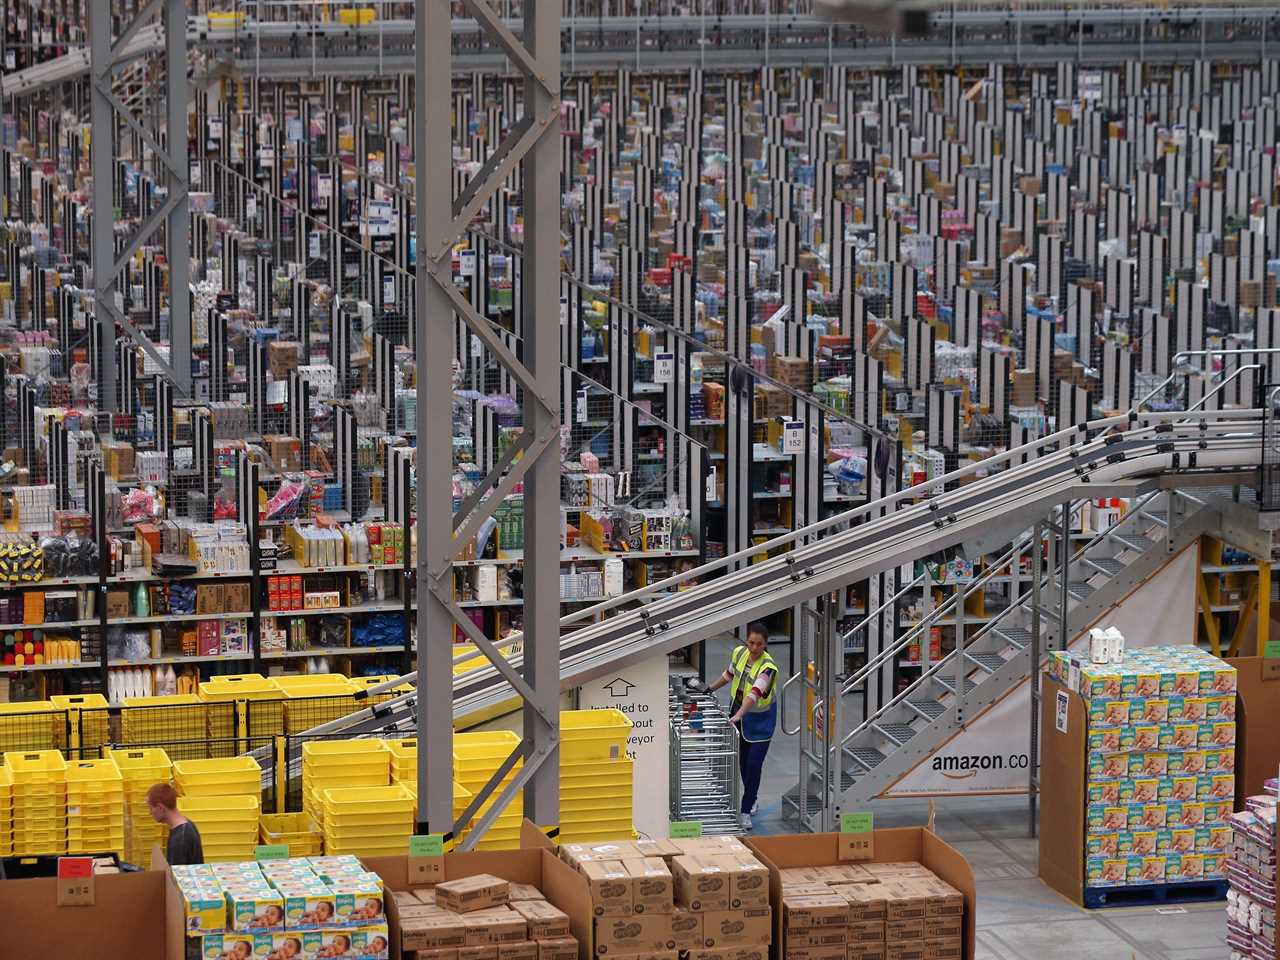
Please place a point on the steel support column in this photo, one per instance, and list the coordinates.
(534, 458)
(541, 277)
(433, 160)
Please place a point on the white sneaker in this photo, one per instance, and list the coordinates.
(746, 821)
(755, 808)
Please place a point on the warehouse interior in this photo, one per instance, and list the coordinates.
(848, 467)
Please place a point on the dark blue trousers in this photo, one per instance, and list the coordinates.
(751, 764)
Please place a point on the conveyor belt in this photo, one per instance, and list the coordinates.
(385, 47)
(1167, 443)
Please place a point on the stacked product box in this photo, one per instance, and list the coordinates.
(482, 917)
(704, 898)
(1161, 764)
(870, 911)
(304, 907)
(1251, 868)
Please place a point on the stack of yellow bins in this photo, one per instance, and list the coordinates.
(140, 768)
(38, 800)
(95, 807)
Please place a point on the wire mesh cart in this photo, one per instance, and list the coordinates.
(704, 762)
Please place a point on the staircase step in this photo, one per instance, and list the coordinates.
(791, 799)
(950, 682)
(1108, 565)
(1160, 517)
(866, 757)
(899, 733)
(990, 662)
(1019, 637)
(1134, 541)
(929, 709)
(1079, 589)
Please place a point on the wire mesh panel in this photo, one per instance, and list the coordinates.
(704, 763)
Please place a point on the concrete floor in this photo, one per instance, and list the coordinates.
(1019, 918)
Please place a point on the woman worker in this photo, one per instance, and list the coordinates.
(754, 678)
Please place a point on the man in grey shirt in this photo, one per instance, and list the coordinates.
(184, 839)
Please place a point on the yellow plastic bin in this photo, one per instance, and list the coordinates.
(593, 735)
(218, 777)
(297, 831)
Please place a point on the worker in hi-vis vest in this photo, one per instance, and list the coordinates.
(754, 679)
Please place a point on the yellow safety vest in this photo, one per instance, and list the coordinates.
(745, 674)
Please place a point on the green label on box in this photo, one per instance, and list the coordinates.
(1272, 649)
(271, 851)
(428, 845)
(685, 829)
(855, 822)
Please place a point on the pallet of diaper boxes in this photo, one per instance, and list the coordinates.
(302, 907)
(1142, 753)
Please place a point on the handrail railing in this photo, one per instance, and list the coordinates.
(919, 628)
(1023, 601)
(1184, 354)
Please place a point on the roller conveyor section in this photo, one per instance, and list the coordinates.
(1121, 450)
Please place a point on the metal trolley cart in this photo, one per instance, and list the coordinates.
(704, 762)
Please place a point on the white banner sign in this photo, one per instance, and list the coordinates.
(640, 692)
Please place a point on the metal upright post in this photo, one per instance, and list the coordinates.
(178, 243)
(101, 165)
(1037, 570)
(542, 355)
(1064, 573)
(533, 458)
(832, 661)
(433, 158)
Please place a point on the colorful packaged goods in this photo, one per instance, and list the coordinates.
(1251, 870)
(1160, 776)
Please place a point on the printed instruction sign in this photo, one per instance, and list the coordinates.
(664, 367)
(1060, 711)
(640, 693)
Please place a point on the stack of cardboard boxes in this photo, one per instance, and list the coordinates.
(705, 898)
(483, 918)
(870, 911)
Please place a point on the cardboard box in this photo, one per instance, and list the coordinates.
(748, 882)
(610, 887)
(904, 930)
(652, 888)
(950, 948)
(525, 891)
(686, 929)
(486, 951)
(472, 893)
(731, 953)
(811, 938)
(869, 951)
(640, 933)
(905, 899)
(904, 844)
(906, 950)
(867, 931)
(866, 901)
(495, 925)
(442, 953)
(701, 883)
(816, 953)
(826, 910)
(565, 948)
(545, 922)
(942, 928)
(751, 926)
(441, 931)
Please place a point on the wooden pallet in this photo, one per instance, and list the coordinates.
(1155, 894)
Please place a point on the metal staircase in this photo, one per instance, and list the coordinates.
(893, 739)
